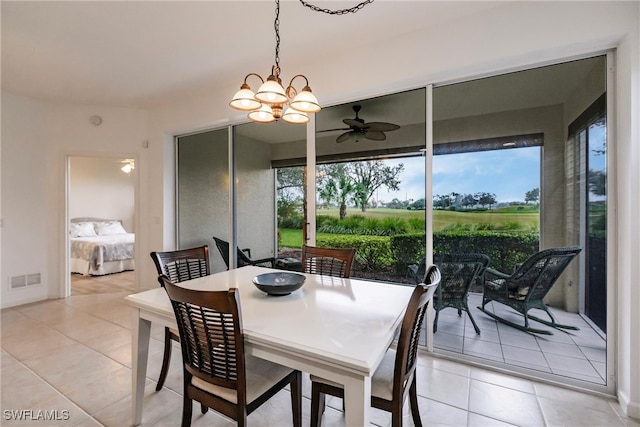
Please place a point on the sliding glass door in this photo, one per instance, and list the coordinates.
(518, 165)
(512, 177)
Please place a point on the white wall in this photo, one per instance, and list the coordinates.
(99, 188)
(37, 138)
(513, 35)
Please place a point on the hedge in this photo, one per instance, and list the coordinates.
(379, 252)
(504, 249)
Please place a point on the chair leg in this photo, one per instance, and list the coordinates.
(473, 321)
(413, 401)
(203, 408)
(187, 407)
(296, 399)
(435, 321)
(166, 359)
(317, 405)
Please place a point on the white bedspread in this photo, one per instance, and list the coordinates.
(100, 249)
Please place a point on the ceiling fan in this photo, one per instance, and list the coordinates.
(359, 129)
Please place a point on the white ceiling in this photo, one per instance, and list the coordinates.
(139, 53)
(144, 53)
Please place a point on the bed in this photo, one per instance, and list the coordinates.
(100, 246)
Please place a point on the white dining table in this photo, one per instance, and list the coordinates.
(335, 328)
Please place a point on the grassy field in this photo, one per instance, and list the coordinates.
(527, 217)
(507, 218)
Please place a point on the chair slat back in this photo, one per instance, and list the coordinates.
(458, 273)
(541, 270)
(334, 262)
(182, 264)
(408, 342)
(211, 336)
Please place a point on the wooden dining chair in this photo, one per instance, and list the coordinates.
(335, 262)
(217, 372)
(178, 266)
(395, 377)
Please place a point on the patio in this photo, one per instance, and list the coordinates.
(575, 354)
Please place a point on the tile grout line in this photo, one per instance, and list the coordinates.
(52, 387)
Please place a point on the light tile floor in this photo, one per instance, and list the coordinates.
(71, 358)
(575, 354)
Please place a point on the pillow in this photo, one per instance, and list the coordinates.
(82, 229)
(109, 228)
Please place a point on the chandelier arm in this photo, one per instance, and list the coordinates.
(306, 81)
(253, 74)
(353, 9)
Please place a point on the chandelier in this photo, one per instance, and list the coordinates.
(272, 101)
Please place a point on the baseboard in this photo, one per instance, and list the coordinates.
(630, 409)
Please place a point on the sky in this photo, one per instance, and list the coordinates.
(509, 174)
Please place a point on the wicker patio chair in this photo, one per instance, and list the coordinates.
(526, 288)
(459, 272)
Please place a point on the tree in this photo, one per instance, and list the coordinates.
(469, 200)
(532, 196)
(336, 185)
(486, 199)
(598, 182)
(289, 185)
(370, 175)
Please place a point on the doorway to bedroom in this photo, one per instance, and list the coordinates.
(100, 214)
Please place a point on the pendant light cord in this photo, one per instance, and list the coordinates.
(276, 24)
(353, 9)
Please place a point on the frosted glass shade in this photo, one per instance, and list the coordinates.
(271, 92)
(262, 115)
(244, 100)
(306, 101)
(294, 116)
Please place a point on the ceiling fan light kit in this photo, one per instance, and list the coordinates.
(272, 101)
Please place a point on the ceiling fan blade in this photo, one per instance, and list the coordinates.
(382, 126)
(375, 135)
(354, 123)
(331, 130)
(344, 137)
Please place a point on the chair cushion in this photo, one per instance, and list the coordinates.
(261, 376)
(382, 380)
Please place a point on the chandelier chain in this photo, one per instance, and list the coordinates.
(353, 9)
(276, 25)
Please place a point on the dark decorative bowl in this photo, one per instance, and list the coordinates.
(280, 283)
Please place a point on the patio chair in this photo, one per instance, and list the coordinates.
(459, 272)
(179, 265)
(327, 261)
(416, 272)
(395, 377)
(526, 288)
(216, 370)
(244, 255)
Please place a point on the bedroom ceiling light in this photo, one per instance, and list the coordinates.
(272, 101)
(129, 165)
